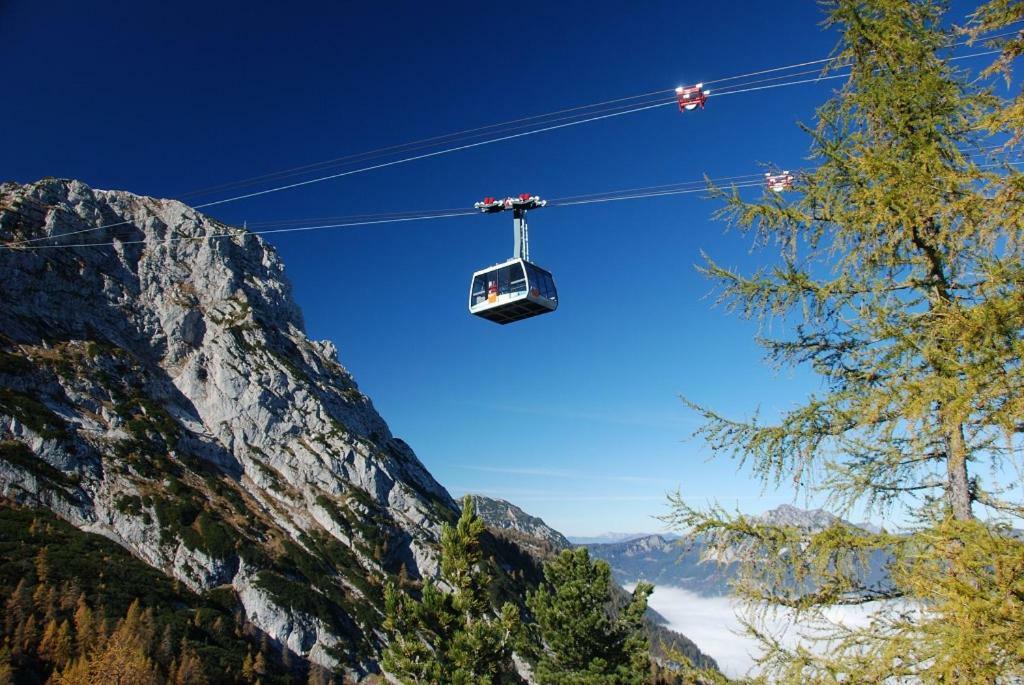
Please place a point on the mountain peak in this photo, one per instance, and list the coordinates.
(789, 515)
(157, 386)
(529, 531)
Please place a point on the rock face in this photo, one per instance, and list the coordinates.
(528, 531)
(158, 388)
(807, 519)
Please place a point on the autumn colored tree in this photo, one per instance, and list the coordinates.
(897, 265)
(993, 16)
(120, 659)
(6, 672)
(189, 669)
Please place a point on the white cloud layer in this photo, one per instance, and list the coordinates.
(712, 623)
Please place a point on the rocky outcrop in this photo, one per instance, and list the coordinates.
(806, 519)
(528, 531)
(157, 387)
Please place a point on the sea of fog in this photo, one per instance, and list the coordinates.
(713, 624)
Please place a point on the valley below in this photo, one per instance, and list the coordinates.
(716, 625)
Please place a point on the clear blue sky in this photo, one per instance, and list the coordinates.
(574, 416)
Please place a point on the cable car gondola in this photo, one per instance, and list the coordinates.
(516, 289)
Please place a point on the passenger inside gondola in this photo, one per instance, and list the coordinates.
(508, 280)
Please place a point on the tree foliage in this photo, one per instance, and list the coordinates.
(993, 15)
(80, 609)
(584, 640)
(451, 636)
(897, 272)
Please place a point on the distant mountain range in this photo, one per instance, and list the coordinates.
(657, 558)
(782, 515)
(662, 560)
(607, 538)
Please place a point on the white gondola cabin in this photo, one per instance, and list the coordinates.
(512, 291)
(516, 289)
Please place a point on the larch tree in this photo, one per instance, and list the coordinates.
(894, 271)
(119, 660)
(6, 672)
(452, 637)
(584, 640)
(992, 16)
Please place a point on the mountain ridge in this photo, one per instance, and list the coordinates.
(529, 531)
(159, 389)
(661, 559)
(611, 537)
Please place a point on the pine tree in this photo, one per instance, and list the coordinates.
(86, 633)
(403, 577)
(899, 274)
(63, 646)
(26, 637)
(189, 669)
(120, 660)
(165, 648)
(584, 642)
(6, 672)
(50, 604)
(452, 638)
(48, 641)
(139, 624)
(42, 566)
(69, 594)
(248, 668)
(18, 607)
(259, 664)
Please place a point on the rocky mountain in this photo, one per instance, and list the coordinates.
(530, 532)
(662, 561)
(605, 538)
(808, 519)
(157, 388)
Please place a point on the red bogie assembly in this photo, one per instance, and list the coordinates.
(519, 202)
(779, 182)
(691, 97)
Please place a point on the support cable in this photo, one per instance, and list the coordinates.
(613, 196)
(736, 89)
(527, 121)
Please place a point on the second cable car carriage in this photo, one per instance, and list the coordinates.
(515, 289)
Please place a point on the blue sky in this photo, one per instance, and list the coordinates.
(575, 416)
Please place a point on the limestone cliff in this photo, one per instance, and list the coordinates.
(157, 387)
